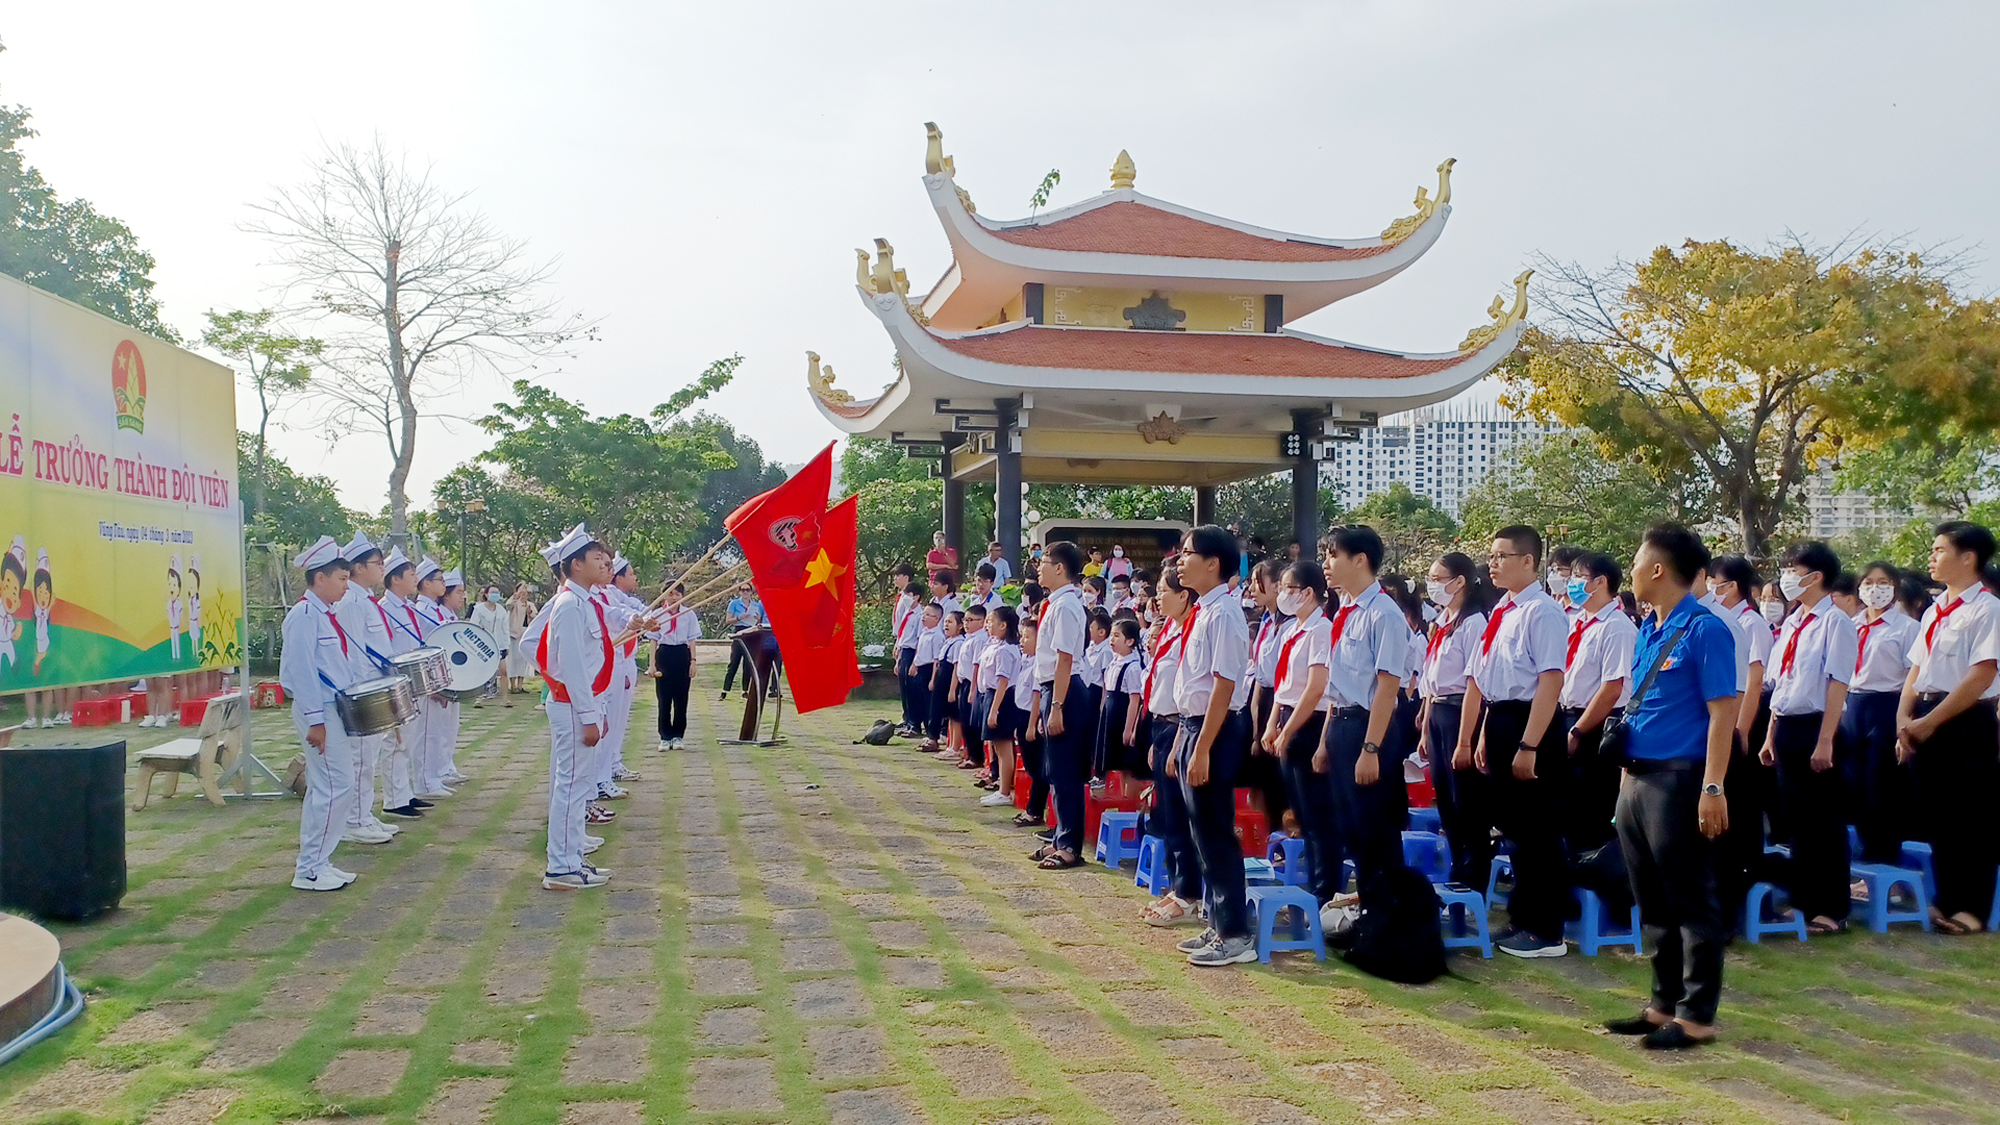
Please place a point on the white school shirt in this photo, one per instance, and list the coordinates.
(367, 623)
(1374, 637)
(996, 661)
(929, 642)
(1263, 663)
(968, 654)
(1218, 640)
(406, 623)
(1751, 621)
(1532, 638)
(682, 627)
(991, 601)
(576, 634)
(1096, 656)
(1967, 632)
(1745, 643)
(1603, 654)
(1415, 660)
(1825, 652)
(1884, 651)
(1064, 628)
(1158, 686)
(1023, 685)
(1448, 655)
(1303, 646)
(1123, 673)
(317, 660)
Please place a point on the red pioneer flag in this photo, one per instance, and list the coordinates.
(801, 557)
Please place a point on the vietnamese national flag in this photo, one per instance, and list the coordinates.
(801, 557)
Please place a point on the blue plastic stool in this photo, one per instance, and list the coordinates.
(1259, 873)
(1266, 903)
(1501, 863)
(1152, 874)
(1754, 926)
(1590, 933)
(1426, 820)
(1292, 852)
(1881, 880)
(1917, 854)
(1429, 854)
(1464, 910)
(1112, 832)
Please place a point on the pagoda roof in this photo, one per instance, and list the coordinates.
(1122, 239)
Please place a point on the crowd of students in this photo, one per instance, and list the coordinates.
(1681, 720)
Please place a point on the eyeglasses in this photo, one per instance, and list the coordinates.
(1503, 556)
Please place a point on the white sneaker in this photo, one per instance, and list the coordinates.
(324, 881)
(438, 794)
(666, 744)
(574, 881)
(343, 876)
(610, 793)
(995, 799)
(384, 826)
(456, 778)
(623, 774)
(63, 719)
(365, 836)
(592, 843)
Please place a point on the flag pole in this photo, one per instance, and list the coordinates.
(714, 584)
(707, 555)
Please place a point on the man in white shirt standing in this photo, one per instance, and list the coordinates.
(318, 661)
(1067, 722)
(1815, 657)
(1369, 640)
(572, 644)
(1211, 690)
(367, 627)
(1517, 675)
(1003, 570)
(1597, 683)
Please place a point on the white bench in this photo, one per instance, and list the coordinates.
(207, 756)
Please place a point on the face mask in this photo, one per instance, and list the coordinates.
(493, 596)
(1578, 591)
(1036, 555)
(1291, 603)
(1439, 593)
(1556, 580)
(1774, 612)
(1117, 552)
(1090, 597)
(1792, 585)
(1877, 596)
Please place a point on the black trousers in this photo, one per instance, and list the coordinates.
(1066, 759)
(904, 658)
(1264, 772)
(1816, 810)
(1170, 814)
(675, 664)
(1032, 758)
(736, 658)
(1464, 804)
(1589, 793)
(1312, 805)
(1371, 817)
(1739, 855)
(1212, 817)
(935, 708)
(1526, 813)
(1957, 775)
(1672, 869)
(1879, 786)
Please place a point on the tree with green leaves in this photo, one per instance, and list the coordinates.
(292, 509)
(278, 365)
(1414, 530)
(1749, 369)
(67, 247)
(414, 291)
(1564, 485)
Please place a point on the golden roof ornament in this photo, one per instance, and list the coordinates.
(1502, 317)
(820, 380)
(1162, 427)
(1123, 172)
(884, 277)
(1426, 206)
(934, 158)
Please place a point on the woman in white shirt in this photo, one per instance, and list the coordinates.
(1878, 785)
(1303, 650)
(1455, 587)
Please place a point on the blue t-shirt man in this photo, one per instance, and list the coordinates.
(1672, 720)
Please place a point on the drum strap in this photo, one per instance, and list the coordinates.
(603, 678)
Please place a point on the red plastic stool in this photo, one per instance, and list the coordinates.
(96, 712)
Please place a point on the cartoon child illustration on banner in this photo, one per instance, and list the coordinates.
(45, 602)
(194, 607)
(13, 581)
(174, 608)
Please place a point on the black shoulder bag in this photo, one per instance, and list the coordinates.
(1617, 740)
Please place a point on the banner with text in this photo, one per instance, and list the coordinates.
(118, 509)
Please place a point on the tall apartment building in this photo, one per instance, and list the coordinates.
(1440, 452)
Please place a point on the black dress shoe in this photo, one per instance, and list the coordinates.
(417, 804)
(1632, 1025)
(1672, 1037)
(406, 812)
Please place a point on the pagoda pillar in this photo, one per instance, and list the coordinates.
(1204, 504)
(1007, 484)
(1305, 484)
(954, 504)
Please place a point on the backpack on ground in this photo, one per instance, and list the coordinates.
(1397, 936)
(879, 734)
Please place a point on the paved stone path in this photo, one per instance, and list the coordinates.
(834, 933)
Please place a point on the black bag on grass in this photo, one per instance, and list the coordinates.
(879, 734)
(1397, 936)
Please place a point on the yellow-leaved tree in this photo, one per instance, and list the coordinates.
(1750, 370)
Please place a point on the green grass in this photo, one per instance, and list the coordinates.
(1048, 1000)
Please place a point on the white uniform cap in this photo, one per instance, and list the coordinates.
(358, 546)
(194, 562)
(396, 559)
(575, 540)
(620, 564)
(175, 565)
(453, 579)
(427, 567)
(312, 558)
(41, 558)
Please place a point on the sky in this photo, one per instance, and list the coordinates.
(702, 173)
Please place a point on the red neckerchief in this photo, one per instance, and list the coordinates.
(1861, 646)
(1438, 636)
(1576, 633)
(1943, 612)
(1166, 638)
(1285, 653)
(1493, 627)
(1792, 646)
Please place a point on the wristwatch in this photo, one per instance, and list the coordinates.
(1711, 790)
(1369, 748)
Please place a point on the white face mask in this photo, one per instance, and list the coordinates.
(1791, 584)
(1439, 593)
(1877, 595)
(1117, 552)
(1291, 603)
(1090, 597)
(1557, 581)
(1774, 612)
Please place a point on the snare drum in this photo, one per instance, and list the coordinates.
(427, 669)
(376, 706)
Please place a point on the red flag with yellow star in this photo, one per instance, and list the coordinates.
(801, 557)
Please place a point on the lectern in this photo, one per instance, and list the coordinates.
(759, 652)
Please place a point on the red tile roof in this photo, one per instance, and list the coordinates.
(1214, 353)
(1135, 228)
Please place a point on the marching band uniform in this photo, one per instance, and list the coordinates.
(438, 728)
(368, 628)
(571, 640)
(318, 660)
(619, 610)
(404, 761)
(454, 713)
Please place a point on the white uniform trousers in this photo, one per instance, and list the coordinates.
(438, 734)
(329, 794)
(395, 759)
(367, 752)
(572, 770)
(457, 712)
(618, 719)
